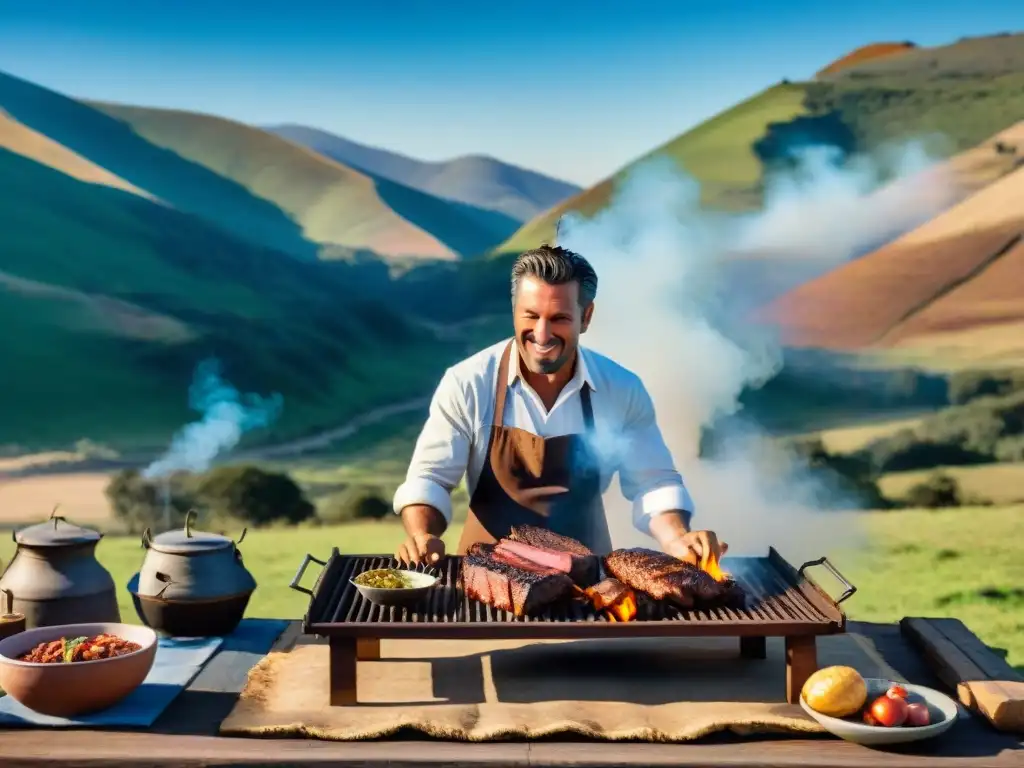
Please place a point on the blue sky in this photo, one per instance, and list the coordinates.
(574, 88)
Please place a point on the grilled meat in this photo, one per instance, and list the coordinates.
(607, 592)
(511, 583)
(542, 537)
(554, 551)
(663, 577)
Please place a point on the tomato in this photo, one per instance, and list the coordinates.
(870, 719)
(917, 714)
(889, 711)
(896, 691)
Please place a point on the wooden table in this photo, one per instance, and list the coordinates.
(186, 736)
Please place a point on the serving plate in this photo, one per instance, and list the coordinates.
(942, 709)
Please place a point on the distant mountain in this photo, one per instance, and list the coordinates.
(963, 92)
(126, 262)
(866, 53)
(476, 180)
(339, 207)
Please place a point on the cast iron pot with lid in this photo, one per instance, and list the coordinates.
(192, 583)
(55, 577)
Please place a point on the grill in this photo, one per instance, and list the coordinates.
(781, 601)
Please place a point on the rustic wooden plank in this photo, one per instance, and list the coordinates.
(819, 753)
(971, 743)
(990, 662)
(966, 665)
(137, 750)
(951, 665)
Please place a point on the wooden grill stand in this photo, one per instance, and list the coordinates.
(353, 641)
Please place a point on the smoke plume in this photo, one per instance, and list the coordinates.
(226, 416)
(672, 307)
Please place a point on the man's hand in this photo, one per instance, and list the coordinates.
(421, 548)
(696, 547)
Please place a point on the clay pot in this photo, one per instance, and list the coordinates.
(80, 687)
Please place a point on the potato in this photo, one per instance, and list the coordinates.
(835, 691)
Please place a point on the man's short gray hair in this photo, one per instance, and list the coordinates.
(556, 266)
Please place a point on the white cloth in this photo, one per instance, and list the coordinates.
(454, 439)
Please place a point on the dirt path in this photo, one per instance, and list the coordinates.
(31, 485)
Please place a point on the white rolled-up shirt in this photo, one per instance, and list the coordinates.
(454, 439)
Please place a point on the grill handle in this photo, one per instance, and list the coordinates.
(823, 561)
(302, 572)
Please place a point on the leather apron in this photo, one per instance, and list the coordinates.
(521, 465)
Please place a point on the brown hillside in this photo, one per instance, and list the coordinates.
(866, 53)
(858, 304)
(22, 140)
(994, 297)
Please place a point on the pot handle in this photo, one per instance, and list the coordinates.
(57, 518)
(9, 603)
(190, 517)
(167, 580)
(147, 538)
(302, 572)
(242, 537)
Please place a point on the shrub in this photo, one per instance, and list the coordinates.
(254, 495)
(978, 432)
(965, 386)
(844, 481)
(937, 492)
(245, 493)
(356, 502)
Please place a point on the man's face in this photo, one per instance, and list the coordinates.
(548, 321)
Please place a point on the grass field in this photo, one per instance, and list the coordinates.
(965, 563)
(998, 483)
(854, 437)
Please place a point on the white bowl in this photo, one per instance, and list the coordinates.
(943, 711)
(421, 583)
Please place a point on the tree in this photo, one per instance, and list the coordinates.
(357, 502)
(139, 503)
(244, 493)
(254, 495)
(938, 491)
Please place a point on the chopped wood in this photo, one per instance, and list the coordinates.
(983, 680)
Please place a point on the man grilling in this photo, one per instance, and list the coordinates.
(519, 420)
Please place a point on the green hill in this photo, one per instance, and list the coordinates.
(718, 152)
(960, 94)
(109, 300)
(337, 207)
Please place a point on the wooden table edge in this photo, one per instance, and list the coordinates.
(135, 749)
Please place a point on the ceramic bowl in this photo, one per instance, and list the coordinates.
(942, 708)
(77, 688)
(422, 584)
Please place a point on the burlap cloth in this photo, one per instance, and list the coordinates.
(657, 689)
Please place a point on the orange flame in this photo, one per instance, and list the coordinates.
(623, 609)
(711, 567)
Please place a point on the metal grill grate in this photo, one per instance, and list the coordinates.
(777, 598)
